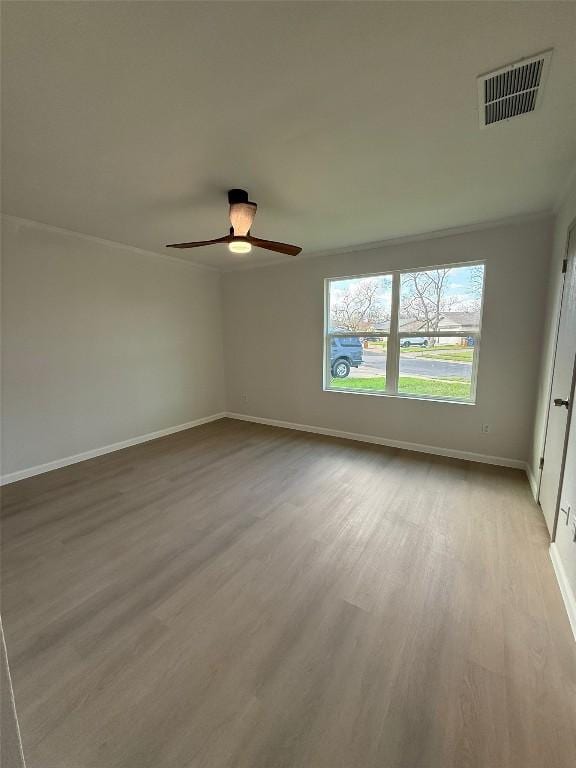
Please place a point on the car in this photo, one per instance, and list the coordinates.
(345, 354)
(414, 341)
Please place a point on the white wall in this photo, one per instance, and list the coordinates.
(565, 216)
(101, 343)
(273, 320)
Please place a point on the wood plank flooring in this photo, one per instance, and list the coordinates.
(241, 596)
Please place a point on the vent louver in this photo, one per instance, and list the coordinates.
(512, 90)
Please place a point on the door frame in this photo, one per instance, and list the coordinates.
(570, 230)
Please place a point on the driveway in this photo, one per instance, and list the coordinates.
(375, 365)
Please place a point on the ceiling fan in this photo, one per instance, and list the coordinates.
(242, 213)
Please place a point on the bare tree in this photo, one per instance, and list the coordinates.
(471, 302)
(476, 286)
(425, 299)
(359, 307)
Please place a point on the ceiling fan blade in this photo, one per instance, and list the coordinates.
(225, 239)
(272, 245)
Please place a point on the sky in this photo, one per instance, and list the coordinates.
(458, 286)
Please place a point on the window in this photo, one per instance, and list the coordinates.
(410, 333)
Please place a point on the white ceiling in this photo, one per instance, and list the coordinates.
(347, 122)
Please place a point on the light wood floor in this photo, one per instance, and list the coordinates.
(249, 597)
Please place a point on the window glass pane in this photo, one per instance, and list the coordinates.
(357, 363)
(442, 299)
(437, 367)
(360, 304)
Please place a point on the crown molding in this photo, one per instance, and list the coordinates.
(402, 239)
(357, 248)
(21, 222)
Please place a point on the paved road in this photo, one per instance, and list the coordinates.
(375, 365)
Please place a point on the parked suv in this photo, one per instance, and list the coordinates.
(345, 353)
(414, 341)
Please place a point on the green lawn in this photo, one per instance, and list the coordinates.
(415, 385)
(377, 346)
(373, 383)
(462, 354)
(412, 385)
(439, 352)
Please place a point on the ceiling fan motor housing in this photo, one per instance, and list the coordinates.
(237, 196)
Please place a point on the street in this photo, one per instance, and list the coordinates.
(375, 365)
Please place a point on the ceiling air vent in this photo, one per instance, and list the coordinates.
(512, 90)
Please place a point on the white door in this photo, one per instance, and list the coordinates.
(554, 447)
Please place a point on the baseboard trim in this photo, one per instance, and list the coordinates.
(565, 588)
(7, 680)
(418, 447)
(40, 469)
(13, 477)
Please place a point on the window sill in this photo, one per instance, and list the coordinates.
(400, 396)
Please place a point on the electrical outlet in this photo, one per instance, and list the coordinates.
(485, 429)
(244, 398)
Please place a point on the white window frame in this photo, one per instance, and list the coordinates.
(394, 337)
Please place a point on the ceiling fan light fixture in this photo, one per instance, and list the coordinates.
(242, 217)
(240, 240)
(239, 246)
